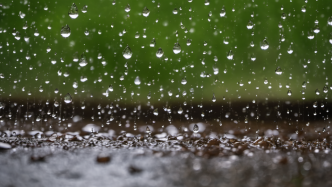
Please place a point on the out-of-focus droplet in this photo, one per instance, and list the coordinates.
(195, 128)
(73, 11)
(317, 92)
(127, 53)
(147, 130)
(304, 8)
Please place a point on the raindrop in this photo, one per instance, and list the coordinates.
(110, 88)
(289, 92)
(278, 71)
(325, 89)
(177, 48)
(264, 44)
(127, 53)
(290, 50)
(250, 25)
(222, 12)
(184, 81)
(214, 98)
(230, 55)
(127, 8)
(195, 128)
(137, 81)
(65, 31)
(155, 112)
(73, 11)
(317, 92)
(67, 99)
(304, 8)
(153, 43)
(329, 21)
(180, 111)
(85, 9)
(83, 61)
(148, 130)
(146, 12)
(159, 53)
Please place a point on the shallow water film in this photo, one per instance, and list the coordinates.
(165, 93)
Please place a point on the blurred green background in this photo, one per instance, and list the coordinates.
(111, 29)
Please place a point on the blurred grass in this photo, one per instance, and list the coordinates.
(162, 24)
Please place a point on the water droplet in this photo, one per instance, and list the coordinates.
(184, 81)
(153, 43)
(127, 53)
(222, 12)
(137, 81)
(278, 71)
(304, 8)
(195, 128)
(160, 53)
(146, 12)
(73, 11)
(329, 21)
(230, 55)
(67, 99)
(127, 8)
(148, 131)
(289, 92)
(85, 9)
(180, 111)
(155, 112)
(317, 92)
(65, 31)
(214, 98)
(250, 25)
(290, 50)
(110, 88)
(264, 44)
(83, 61)
(177, 48)
(325, 89)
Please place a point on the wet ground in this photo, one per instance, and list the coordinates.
(237, 145)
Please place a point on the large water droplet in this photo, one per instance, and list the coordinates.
(73, 11)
